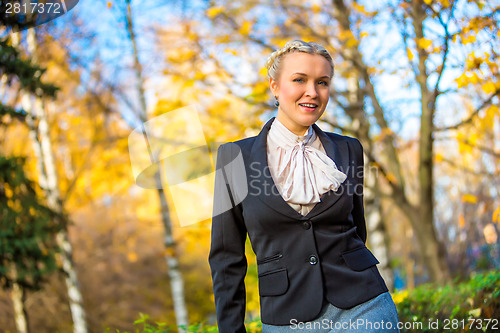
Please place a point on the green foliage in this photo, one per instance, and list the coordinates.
(27, 229)
(463, 306)
(458, 304)
(27, 226)
(254, 326)
(28, 74)
(11, 112)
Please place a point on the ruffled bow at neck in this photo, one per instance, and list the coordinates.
(302, 173)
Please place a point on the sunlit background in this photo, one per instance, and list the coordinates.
(84, 248)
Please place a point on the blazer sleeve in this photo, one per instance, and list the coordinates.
(358, 213)
(227, 258)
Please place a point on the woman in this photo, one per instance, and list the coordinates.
(297, 192)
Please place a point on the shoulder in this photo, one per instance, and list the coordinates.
(228, 151)
(354, 145)
(247, 142)
(242, 144)
(351, 141)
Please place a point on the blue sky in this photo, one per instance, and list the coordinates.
(111, 43)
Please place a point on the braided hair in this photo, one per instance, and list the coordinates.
(273, 63)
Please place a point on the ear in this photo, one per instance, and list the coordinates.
(273, 85)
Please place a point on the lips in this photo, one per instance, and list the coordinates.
(309, 107)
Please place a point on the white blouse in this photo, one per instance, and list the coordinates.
(300, 167)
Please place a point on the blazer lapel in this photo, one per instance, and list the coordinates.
(338, 151)
(260, 181)
(262, 184)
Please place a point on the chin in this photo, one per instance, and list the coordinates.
(307, 119)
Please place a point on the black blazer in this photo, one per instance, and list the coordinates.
(301, 259)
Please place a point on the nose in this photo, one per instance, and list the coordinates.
(311, 90)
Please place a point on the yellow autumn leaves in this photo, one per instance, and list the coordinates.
(478, 69)
(245, 28)
(473, 199)
(212, 12)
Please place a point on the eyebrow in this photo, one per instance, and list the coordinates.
(325, 76)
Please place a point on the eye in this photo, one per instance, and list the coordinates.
(323, 83)
(298, 80)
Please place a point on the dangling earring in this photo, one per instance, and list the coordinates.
(277, 103)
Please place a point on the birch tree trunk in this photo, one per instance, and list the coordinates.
(42, 147)
(17, 294)
(18, 298)
(174, 273)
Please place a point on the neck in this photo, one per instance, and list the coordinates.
(292, 127)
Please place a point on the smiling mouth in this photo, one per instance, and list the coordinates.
(308, 106)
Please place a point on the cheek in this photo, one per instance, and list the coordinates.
(325, 94)
(290, 93)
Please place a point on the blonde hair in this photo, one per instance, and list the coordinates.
(273, 63)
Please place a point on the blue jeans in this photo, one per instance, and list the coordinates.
(376, 315)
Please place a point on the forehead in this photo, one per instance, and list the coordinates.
(310, 64)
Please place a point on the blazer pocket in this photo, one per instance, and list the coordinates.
(359, 259)
(270, 258)
(273, 283)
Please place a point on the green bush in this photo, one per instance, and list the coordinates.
(254, 326)
(457, 307)
(470, 306)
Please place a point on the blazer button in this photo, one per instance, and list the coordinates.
(313, 260)
(306, 225)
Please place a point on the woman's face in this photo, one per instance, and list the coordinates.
(303, 90)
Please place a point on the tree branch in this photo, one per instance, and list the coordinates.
(441, 68)
(480, 147)
(472, 115)
(468, 170)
